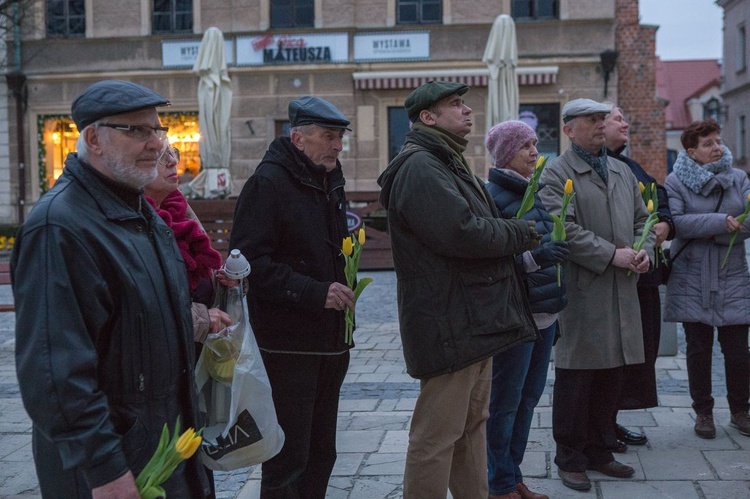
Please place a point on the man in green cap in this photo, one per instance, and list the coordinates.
(460, 300)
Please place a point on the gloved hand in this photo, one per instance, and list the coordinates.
(550, 253)
(534, 236)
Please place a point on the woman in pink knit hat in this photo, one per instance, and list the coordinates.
(519, 375)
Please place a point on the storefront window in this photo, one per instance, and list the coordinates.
(58, 135)
(398, 127)
(545, 120)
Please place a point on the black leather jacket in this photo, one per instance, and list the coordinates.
(104, 347)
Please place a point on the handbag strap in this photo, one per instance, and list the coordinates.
(716, 210)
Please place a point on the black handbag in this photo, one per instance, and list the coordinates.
(667, 270)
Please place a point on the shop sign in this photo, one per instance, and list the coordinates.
(183, 53)
(272, 49)
(393, 46)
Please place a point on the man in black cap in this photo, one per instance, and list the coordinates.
(104, 343)
(460, 299)
(601, 327)
(289, 222)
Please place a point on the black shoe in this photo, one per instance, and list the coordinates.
(620, 449)
(629, 437)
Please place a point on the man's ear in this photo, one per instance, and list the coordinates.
(296, 138)
(568, 130)
(93, 140)
(427, 117)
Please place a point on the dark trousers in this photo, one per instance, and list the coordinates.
(733, 341)
(306, 397)
(584, 402)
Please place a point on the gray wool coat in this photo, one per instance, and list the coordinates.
(698, 289)
(601, 326)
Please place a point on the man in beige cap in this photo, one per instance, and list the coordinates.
(459, 298)
(600, 328)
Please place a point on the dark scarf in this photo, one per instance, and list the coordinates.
(597, 162)
(195, 246)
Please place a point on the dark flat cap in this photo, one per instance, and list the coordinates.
(583, 107)
(110, 97)
(310, 110)
(429, 93)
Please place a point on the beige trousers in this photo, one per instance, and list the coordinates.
(447, 439)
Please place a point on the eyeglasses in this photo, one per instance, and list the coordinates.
(166, 153)
(140, 132)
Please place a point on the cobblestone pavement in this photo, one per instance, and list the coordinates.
(377, 400)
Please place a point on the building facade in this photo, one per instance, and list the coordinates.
(736, 88)
(365, 56)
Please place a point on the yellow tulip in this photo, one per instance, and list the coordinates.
(569, 187)
(361, 236)
(642, 187)
(539, 161)
(188, 443)
(347, 246)
(650, 205)
(748, 200)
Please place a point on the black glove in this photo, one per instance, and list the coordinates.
(534, 236)
(550, 253)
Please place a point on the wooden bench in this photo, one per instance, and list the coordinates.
(216, 217)
(5, 280)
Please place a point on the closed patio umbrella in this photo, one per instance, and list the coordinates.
(501, 57)
(214, 109)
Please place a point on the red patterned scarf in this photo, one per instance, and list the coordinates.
(200, 258)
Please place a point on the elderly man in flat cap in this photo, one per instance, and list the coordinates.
(289, 222)
(104, 341)
(601, 327)
(460, 300)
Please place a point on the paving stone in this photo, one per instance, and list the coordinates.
(730, 465)
(724, 489)
(395, 441)
(636, 418)
(632, 489)
(383, 464)
(676, 438)
(357, 405)
(682, 464)
(535, 465)
(348, 463)
(359, 440)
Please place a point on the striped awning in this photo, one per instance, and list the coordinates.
(390, 80)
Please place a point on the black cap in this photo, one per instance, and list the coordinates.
(110, 97)
(310, 110)
(429, 93)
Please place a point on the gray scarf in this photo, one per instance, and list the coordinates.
(695, 176)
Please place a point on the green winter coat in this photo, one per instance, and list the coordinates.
(460, 300)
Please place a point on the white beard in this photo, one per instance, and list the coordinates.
(129, 173)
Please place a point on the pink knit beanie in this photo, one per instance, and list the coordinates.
(505, 139)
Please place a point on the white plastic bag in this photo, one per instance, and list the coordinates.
(241, 428)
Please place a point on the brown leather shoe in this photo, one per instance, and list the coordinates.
(704, 426)
(741, 421)
(576, 480)
(526, 493)
(613, 468)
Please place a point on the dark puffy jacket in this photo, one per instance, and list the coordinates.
(545, 296)
(104, 337)
(460, 299)
(289, 222)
